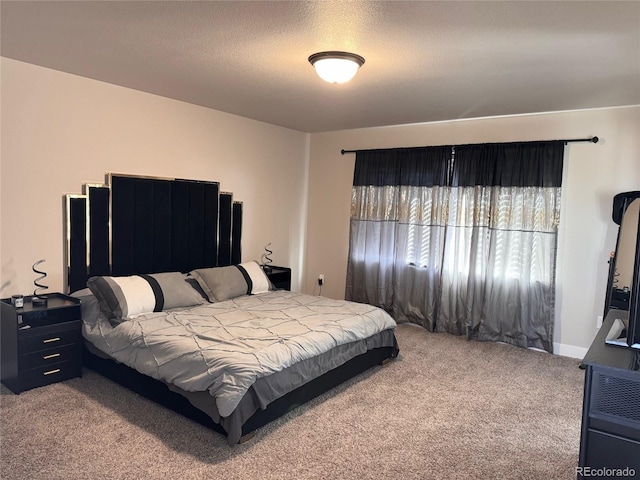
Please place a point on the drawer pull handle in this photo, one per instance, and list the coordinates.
(51, 371)
(49, 357)
(49, 340)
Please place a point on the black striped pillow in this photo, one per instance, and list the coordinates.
(126, 297)
(224, 283)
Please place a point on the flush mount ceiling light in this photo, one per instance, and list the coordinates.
(336, 67)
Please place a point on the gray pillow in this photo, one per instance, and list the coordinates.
(125, 297)
(224, 283)
(89, 305)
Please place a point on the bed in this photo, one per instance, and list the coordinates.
(171, 311)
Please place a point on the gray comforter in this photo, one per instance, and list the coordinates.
(225, 347)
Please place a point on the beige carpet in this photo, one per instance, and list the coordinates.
(445, 409)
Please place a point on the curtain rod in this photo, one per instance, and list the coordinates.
(571, 140)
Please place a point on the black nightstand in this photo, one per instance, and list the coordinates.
(279, 276)
(40, 344)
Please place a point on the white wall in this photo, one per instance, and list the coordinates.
(593, 174)
(60, 130)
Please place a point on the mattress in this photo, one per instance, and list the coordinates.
(242, 353)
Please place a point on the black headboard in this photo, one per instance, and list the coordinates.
(133, 224)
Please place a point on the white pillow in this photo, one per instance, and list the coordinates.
(256, 274)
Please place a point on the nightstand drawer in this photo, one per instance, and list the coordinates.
(44, 338)
(45, 358)
(56, 372)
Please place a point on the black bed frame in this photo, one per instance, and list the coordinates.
(159, 392)
(131, 225)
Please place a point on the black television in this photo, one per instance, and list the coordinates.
(623, 287)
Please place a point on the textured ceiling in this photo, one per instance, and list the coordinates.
(425, 61)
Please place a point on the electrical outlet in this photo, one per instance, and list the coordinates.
(321, 279)
(598, 321)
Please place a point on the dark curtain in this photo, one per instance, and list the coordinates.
(461, 239)
(391, 195)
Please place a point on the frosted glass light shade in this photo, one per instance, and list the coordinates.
(336, 67)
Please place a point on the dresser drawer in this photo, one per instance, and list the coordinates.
(56, 372)
(44, 338)
(44, 358)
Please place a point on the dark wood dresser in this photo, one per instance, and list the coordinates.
(40, 344)
(610, 438)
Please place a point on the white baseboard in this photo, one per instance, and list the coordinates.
(569, 350)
